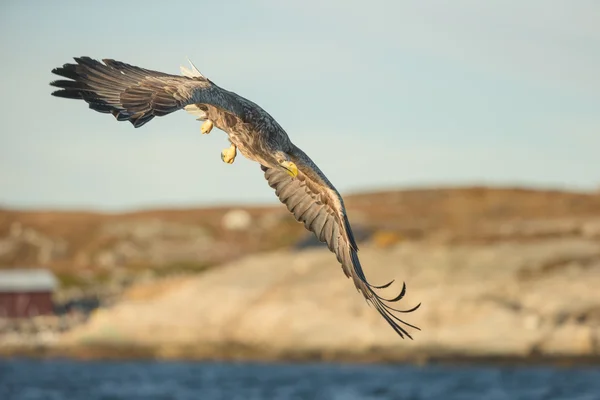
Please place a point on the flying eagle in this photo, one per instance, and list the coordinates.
(137, 95)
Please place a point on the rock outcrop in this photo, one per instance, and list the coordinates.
(491, 300)
(500, 273)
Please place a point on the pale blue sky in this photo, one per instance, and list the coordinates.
(381, 94)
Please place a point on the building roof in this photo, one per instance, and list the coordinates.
(27, 280)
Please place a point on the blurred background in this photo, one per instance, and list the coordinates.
(463, 136)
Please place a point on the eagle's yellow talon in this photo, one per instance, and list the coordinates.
(206, 127)
(228, 154)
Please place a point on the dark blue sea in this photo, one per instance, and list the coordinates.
(59, 380)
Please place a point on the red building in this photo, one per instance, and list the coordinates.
(26, 293)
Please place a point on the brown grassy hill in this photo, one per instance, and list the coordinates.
(98, 245)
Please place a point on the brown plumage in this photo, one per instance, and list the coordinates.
(138, 95)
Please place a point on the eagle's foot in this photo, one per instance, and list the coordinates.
(206, 127)
(228, 154)
(290, 168)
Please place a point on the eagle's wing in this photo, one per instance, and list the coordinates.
(313, 200)
(137, 95)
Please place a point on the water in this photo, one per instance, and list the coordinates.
(59, 380)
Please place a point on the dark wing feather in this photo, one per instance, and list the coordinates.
(138, 95)
(312, 200)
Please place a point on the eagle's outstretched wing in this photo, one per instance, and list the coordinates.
(137, 95)
(315, 202)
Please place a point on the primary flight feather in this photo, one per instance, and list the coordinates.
(137, 95)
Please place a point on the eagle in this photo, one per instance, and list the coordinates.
(137, 95)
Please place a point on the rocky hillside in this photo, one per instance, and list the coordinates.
(110, 251)
(96, 243)
(518, 300)
(500, 272)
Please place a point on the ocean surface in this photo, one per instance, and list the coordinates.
(60, 379)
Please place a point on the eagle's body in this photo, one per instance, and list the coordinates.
(251, 129)
(138, 95)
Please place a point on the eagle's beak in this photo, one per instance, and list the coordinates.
(291, 168)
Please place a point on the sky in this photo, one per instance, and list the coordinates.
(380, 94)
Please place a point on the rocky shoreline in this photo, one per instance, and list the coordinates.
(236, 353)
(502, 275)
(518, 302)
